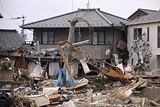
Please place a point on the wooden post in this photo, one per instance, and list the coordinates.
(65, 61)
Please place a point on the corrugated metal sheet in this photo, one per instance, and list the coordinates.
(10, 40)
(95, 19)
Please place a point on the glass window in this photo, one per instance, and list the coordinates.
(95, 41)
(77, 37)
(50, 37)
(147, 34)
(44, 38)
(101, 37)
(158, 29)
(38, 36)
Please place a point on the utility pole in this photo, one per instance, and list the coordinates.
(23, 19)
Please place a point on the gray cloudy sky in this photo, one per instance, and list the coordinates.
(40, 9)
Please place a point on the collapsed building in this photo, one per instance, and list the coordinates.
(11, 54)
(90, 38)
(108, 30)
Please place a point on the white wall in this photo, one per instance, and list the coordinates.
(153, 33)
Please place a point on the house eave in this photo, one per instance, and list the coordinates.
(69, 27)
(140, 23)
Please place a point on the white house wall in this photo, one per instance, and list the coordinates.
(153, 33)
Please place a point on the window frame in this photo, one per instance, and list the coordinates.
(135, 33)
(98, 38)
(48, 41)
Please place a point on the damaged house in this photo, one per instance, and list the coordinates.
(10, 52)
(144, 32)
(108, 31)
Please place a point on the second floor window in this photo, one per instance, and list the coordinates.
(158, 36)
(47, 38)
(99, 38)
(137, 33)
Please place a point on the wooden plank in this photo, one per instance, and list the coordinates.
(55, 97)
(65, 62)
(77, 86)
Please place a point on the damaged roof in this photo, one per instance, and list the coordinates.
(152, 17)
(10, 40)
(140, 11)
(95, 17)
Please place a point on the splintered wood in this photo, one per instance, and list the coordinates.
(124, 92)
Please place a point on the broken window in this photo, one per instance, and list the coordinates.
(158, 29)
(137, 33)
(99, 38)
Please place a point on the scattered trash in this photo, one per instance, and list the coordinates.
(113, 85)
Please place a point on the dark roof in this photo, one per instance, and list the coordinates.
(152, 17)
(145, 11)
(1, 15)
(10, 40)
(95, 17)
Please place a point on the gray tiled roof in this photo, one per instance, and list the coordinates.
(152, 17)
(10, 40)
(95, 17)
(145, 11)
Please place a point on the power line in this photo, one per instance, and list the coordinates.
(72, 4)
(6, 10)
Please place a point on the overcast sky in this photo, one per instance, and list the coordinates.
(39, 9)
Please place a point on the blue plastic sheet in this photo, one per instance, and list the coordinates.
(69, 81)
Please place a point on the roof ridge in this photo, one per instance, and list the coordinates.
(115, 16)
(101, 15)
(50, 18)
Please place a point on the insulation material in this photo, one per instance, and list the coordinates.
(53, 68)
(68, 104)
(115, 58)
(31, 67)
(49, 91)
(120, 66)
(37, 71)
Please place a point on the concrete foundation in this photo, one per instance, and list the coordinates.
(151, 92)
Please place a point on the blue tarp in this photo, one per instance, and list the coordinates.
(69, 82)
